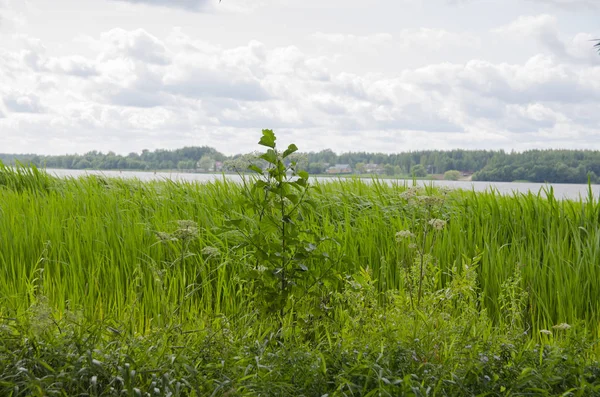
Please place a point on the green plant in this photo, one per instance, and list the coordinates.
(272, 228)
(426, 211)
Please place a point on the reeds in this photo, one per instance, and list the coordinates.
(92, 245)
(114, 287)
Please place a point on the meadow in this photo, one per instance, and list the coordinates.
(129, 288)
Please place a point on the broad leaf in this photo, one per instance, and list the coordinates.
(260, 184)
(291, 149)
(301, 182)
(303, 174)
(312, 203)
(268, 139)
(270, 156)
(256, 169)
(292, 197)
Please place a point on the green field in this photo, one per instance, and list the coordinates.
(118, 287)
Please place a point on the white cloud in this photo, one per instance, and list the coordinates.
(137, 44)
(23, 103)
(189, 5)
(541, 27)
(350, 39)
(545, 30)
(124, 89)
(572, 4)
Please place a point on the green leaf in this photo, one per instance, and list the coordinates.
(291, 149)
(293, 198)
(256, 169)
(260, 184)
(312, 203)
(303, 174)
(270, 156)
(300, 182)
(268, 139)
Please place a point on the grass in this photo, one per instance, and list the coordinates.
(97, 297)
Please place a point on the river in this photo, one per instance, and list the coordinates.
(561, 190)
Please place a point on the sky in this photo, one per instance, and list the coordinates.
(348, 75)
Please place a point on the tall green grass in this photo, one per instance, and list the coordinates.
(91, 246)
(113, 287)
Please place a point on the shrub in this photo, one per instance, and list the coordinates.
(452, 175)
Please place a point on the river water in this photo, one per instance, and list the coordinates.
(561, 190)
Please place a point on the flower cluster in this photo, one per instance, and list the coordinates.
(562, 326)
(187, 230)
(437, 224)
(210, 251)
(162, 236)
(410, 193)
(403, 234)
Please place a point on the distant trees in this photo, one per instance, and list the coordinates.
(206, 163)
(388, 169)
(316, 168)
(184, 159)
(560, 166)
(419, 171)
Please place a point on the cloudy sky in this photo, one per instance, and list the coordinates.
(377, 75)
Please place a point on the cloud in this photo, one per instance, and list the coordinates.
(10, 19)
(566, 4)
(543, 28)
(189, 5)
(570, 4)
(139, 90)
(74, 65)
(137, 44)
(419, 39)
(23, 103)
(339, 38)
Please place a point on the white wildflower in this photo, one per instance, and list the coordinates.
(403, 234)
(562, 326)
(211, 251)
(437, 224)
(187, 230)
(162, 236)
(545, 332)
(410, 193)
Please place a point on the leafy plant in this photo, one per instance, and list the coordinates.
(427, 213)
(272, 228)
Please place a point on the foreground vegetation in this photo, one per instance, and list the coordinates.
(276, 287)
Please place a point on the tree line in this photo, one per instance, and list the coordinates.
(559, 166)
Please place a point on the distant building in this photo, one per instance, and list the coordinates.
(218, 166)
(340, 169)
